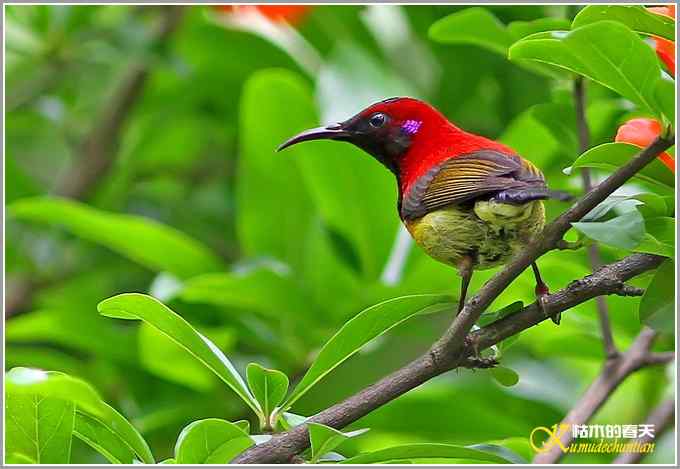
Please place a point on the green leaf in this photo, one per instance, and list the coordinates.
(148, 309)
(145, 241)
(560, 120)
(505, 453)
(269, 388)
(636, 17)
(210, 441)
(611, 156)
(659, 237)
(243, 425)
(362, 233)
(275, 105)
(261, 290)
(520, 29)
(26, 381)
(625, 231)
(488, 317)
(477, 26)
(361, 329)
(504, 375)
(165, 358)
(104, 440)
(423, 451)
(325, 439)
(289, 420)
(39, 427)
(657, 305)
(606, 52)
(665, 98)
(654, 205)
(18, 458)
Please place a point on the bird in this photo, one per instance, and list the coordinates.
(468, 201)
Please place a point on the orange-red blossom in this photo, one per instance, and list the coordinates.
(641, 132)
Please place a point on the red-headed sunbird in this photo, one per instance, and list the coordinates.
(466, 200)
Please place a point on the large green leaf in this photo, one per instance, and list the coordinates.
(361, 329)
(425, 451)
(625, 231)
(165, 358)
(636, 17)
(275, 209)
(54, 385)
(476, 26)
(148, 309)
(611, 156)
(659, 237)
(520, 29)
(269, 388)
(665, 97)
(504, 375)
(657, 305)
(103, 439)
(324, 439)
(607, 52)
(353, 193)
(39, 427)
(560, 120)
(151, 244)
(262, 290)
(210, 441)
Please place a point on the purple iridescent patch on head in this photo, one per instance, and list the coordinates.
(411, 126)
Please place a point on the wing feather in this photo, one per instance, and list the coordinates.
(467, 177)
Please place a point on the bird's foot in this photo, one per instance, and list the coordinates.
(474, 363)
(542, 292)
(475, 360)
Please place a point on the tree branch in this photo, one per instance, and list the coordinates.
(98, 150)
(593, 250)
(662, 419)
(607, 280)
(613, 373)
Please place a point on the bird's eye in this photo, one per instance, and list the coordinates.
(377, 120)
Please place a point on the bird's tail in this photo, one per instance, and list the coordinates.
(528, 194)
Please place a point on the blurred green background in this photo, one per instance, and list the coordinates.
(148, 115)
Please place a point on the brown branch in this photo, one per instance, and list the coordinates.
(662, 419)
(593, 250)
(614, 372)
(98, 150)
(606, 280)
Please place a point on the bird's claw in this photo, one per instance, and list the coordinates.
(475, 360)
(542, 293)
(473, 363)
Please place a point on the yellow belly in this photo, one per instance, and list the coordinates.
(490, 233)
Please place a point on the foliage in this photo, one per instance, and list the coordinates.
(269, 284)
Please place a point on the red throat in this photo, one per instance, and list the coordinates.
(437, 142)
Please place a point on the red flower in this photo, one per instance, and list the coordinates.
(665, 49)
(641, 132)
(291, 14)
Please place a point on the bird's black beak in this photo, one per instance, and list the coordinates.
(331, 132)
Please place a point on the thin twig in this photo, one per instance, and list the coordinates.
(593, 250)
(662, 419)
(98, 149)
